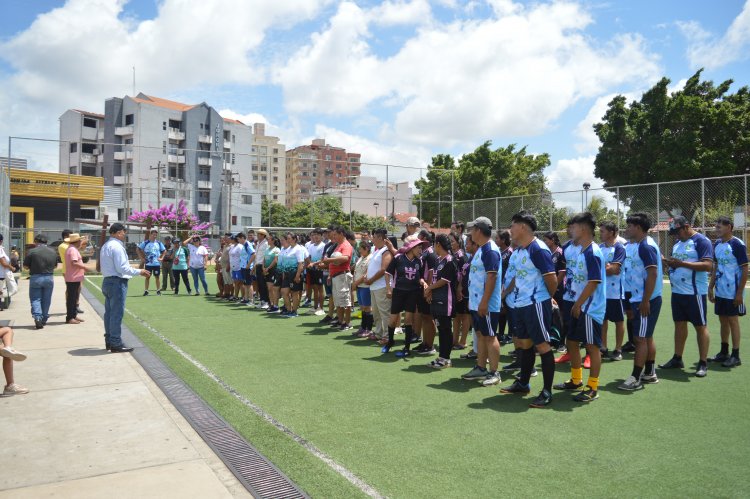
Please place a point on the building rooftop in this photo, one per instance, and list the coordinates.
(88, 113)
(165, 103)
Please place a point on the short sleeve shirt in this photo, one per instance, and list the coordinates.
(532, 263)
(486, 260)
(570, 253)
(346, 250)
(614, 255)
(590, 267)
(196, 255)
(405, 273)
(730, 257)
(686, 281)
(443, 298)
(73, 274)
(646, 255)
(152, 250)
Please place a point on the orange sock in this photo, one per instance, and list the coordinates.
(576, 374)
(593, 383)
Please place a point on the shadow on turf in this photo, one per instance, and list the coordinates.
(515, 403)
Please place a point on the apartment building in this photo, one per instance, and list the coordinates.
(373, 197)
(317, 168)
(81, 139)
(268, 160)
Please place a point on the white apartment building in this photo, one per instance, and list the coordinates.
(370, 196)
(268, 161)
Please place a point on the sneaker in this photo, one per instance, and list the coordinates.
(416, 339)
(672, 364)
(306, 304)
(403, 353)
(290, 315)
(562, 349)
(399, 330)
(364, 333)
(264, 306)
(513, 366)
(491, 379)
(649, 379)
(440, 363)
(145, 293)
(326, 319)
(387, 347)
(158, 292)
(616, 355)
(475, 374)
(587, 362)
(563, 358)
(12, 354)
(542, 400)
(345, 327)
(630, 385)
(14, 389)
(732, 361)
(604, 353)
(505, 340)
(38, 324)
(272, 310)
(251, 304)
(320, 312)
(628, 347)
(425, 350)
(469, 356)
(719, 357)
(702, 370)
(516, 387)
(587, 395)
(283, 313)
(197, 293)
(568, 385)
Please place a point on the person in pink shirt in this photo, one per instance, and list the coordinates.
(74, 271)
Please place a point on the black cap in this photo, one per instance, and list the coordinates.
(116, 227)
(677, 223)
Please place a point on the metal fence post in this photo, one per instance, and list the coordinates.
(421, 195)
(497, 215)
(658, 233)
(618, 208)
(746, 211)
(473, 209)
(703, 204)
(453, 198)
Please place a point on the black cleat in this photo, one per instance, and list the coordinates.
(628, 347)
(672, 363)
(732, 361)
(719, 357)
(702, 370)
(568, 385)
(512, 366)
(516, 387)
(542, 400)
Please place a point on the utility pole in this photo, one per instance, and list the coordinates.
(229, 183)
(158, 182)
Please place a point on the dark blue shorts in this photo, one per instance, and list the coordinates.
(615, 310)
(462, 307)
(363, 297)
(247, 276)
(510, 313)
(154, 269)
(486, 325)
(644, 326)
(565, 308)
(725, 307)
(237, 275)
(626, 302)
(533, 322)
(689, 308)
(584, 329)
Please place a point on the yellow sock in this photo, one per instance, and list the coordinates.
(593, 383)
(576, 374)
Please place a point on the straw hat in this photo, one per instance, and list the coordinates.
(73, 238)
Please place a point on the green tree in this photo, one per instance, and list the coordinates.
(697, 132)
(321, 212)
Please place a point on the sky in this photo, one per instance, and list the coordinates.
(398, 81)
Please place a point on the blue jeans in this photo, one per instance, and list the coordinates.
(40, 295)
(115, 290)
(196, 273)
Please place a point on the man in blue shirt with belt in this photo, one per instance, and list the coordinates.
(117, 271)
(691, 261)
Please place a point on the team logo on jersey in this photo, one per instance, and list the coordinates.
(410, 273)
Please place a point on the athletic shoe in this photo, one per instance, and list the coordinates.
(563, 358)
(628, 347)
(290, 315)
(197, 293)
(14, 389)
(403, 353)
(568, 385)
(516, 364)
(283, 313)
(505, 340)
(616, 355)
(320, 312)
(272, 310)
(630, 385)
(425, 350)
(326, 319)
(158, 292)
(345, 327)
(12, 354)
(399, 331)
(649, 379)
(702, 370)
(542, 400)
(604, 354)
(491, 379)
(416, 339)
(587, 395)
(175, 292)
(145, 293)
(732, 361)
(364, 334)
(387, 347)
(672, 364)
(469, 355)
(562, 349)
(516, 387)
(264, 305)
(587, 362)
(79, 311)
(719, 357)
(440, 363)
(475, 374)
(251, 304)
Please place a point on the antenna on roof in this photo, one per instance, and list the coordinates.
(133, 81)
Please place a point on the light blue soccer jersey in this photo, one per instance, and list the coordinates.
(246, 253)
(627, 267)
(509, 275)
(532, 263)
(614, 255)
(486, 259)
(152, 250)
(685, 281)
(646, 254)
(730, 257)
(590, 266)
(570, 252)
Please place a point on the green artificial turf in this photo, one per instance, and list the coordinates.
(409, 431)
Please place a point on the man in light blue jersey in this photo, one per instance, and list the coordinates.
(645, 277)
(630, 248)
(614, 256)
(691, 261)
(535, 283)
(570, 252)
(589, 283)
(727, 289)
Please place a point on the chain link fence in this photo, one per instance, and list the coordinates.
(4, 206)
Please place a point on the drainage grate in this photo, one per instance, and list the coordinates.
(259, 476)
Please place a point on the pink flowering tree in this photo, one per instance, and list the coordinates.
(175, 218)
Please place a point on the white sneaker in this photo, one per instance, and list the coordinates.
(251, 305)
(631, 384)
(14, 389)
(13, 354)
(399, 331)
(264, 305)
(320, 312)
(491, 379)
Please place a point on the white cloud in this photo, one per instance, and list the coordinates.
(710, 51)
(566, 178)
(401, 12)
(453, 84)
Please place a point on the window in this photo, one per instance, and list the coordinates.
(201, 126)
(247, 221)
(129, 119)
(275, 197)
(204, 171)
(232, 141)
(175, 124)
(128, 141)
(275, 170)
(247, 199)
(338, 166)
(338, 158)
(304, 174)
(315, 174)
(88, 148)
(255, 177)
(232, 155)
(255, 168)
(168, 193)
(203, 195)
(275, 160)
(275, 150)
(74, 147)
(275, 178)
(89, 123)
(304, 165)
(263, 178)
(164, 125)
(164, 147)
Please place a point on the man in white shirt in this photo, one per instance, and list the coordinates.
(381, 304)
(261, 246)
(117, 271)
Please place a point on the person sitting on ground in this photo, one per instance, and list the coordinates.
(10, 355)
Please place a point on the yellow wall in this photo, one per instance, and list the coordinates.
(55, 185)
(29, 225)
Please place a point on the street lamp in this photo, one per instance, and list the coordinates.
(350, 197)
(586, 187)
(376, 205)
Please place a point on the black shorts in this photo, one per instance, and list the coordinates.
(689, 308)
(626, 302)
(288, 281)
(615, 310)
(247, 277)
(316, 276)
(422, 306)
(154, 269)
(725, 307)
(278, 278)
(487, 325)
(533, 322)
(462, 307)
(565, 308)
(584, 329)
(404, 301)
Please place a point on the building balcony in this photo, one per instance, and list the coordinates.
(100, 158)
(204, 207)
(227, 144)
(176, 158)
(122, 155)
(204, 184)
(87, 158)
(119, 179)
(88, 133)
(204, 161)
(205, 139)
(124, 130)
(175, 134)
(100, 135)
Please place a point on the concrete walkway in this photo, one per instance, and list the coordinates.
(94, 424)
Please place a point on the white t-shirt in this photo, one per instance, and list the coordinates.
(373, 267)
(315, 250)
(196, 255)
(260, 251)
(235, 253)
